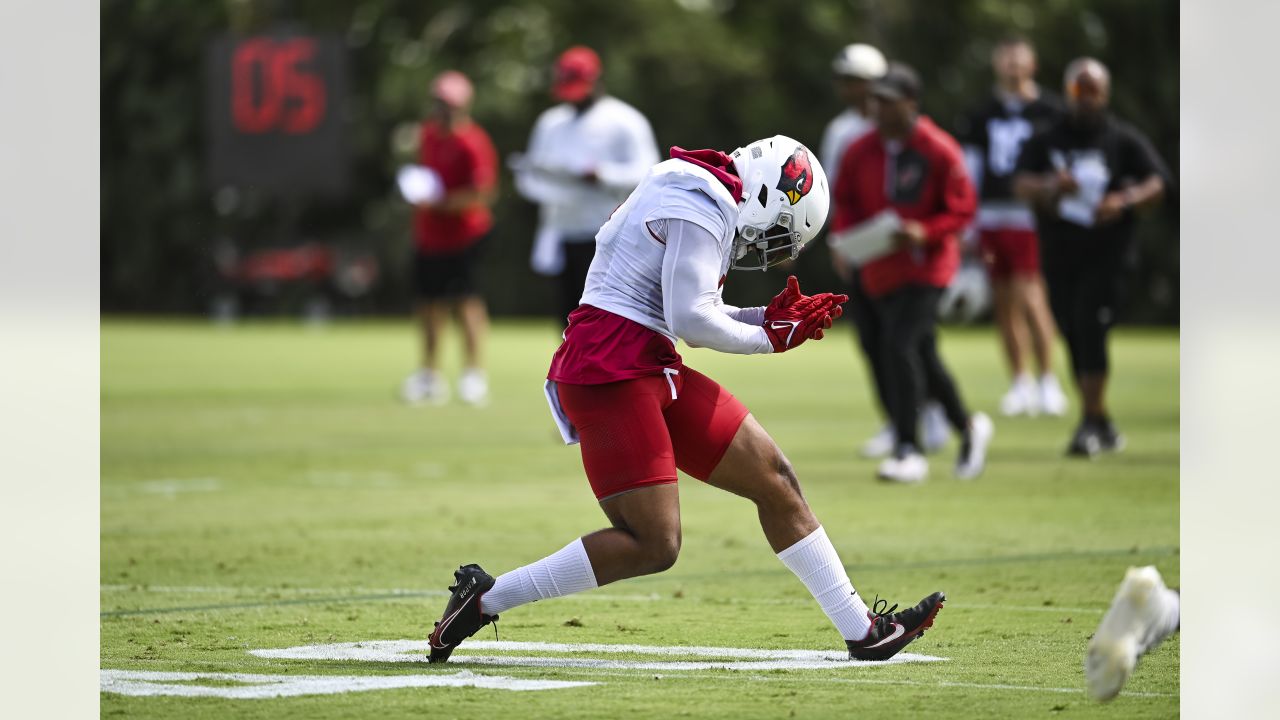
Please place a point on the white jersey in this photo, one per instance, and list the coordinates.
(662, 257)
(610, 139)
(840, 134)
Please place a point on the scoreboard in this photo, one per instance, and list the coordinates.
(275, 112)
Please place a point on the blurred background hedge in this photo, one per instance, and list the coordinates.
(707, 73)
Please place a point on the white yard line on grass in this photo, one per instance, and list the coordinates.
(257, 687)
(354, 592)
(719, 658)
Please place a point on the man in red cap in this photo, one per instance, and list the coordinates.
(449, 231)
(585, 156)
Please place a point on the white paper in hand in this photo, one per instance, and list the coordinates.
(869, 240)
(419, 184)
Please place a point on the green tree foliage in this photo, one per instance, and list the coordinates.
(707, 73)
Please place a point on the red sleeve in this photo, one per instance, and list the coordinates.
(959, 201)
(484, 160)
(424, 134)
(844, 193)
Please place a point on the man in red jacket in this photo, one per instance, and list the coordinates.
(914, 168)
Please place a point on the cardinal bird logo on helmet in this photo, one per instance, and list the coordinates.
(797, 176)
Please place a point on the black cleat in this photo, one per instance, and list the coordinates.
(890, 631)
(1086, 442)
(1109, 439)
(462, 617)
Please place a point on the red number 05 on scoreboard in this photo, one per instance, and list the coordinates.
(273, 118)
(272, 87)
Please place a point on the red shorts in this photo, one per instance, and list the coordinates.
(1010, 251)
(635, 434)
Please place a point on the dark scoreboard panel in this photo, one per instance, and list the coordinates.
(275, 107)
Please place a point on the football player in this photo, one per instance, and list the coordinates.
(618, 387)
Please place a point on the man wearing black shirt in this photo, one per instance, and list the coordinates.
(992, 136)
(1086, 175)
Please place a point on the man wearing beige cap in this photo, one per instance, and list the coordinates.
(585, 156)
(449, 228)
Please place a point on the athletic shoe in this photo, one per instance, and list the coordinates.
(906, 465)
(1085, 442)
(462, 616)
(1143, 613)
(1052, 400)
(473, 387)
(890, 633)
(1109, 439)
(935, 432)
(1022, 398)
(880, 444)
(424, 387)
(973, 451)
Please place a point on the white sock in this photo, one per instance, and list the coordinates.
(565, 572)
(815, 562)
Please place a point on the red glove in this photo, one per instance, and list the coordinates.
(793, 317)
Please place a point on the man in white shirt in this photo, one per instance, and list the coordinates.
(856, 68)
(618, 387)
(585, 156)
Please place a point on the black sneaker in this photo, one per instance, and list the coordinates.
(462, 616)
(1086, 442)
(890, 631)
(1109, 439)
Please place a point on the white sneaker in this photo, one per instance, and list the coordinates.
(473, 387)
(1052, 400)
(973, 456)
(424, 387)
(935, 432)
(910, 468)
(880, 444)
(1143, 613)
(1022, 398)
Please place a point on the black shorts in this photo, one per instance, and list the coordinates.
(447, 277)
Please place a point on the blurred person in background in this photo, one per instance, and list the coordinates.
(449, 237)
(914, 168)
(992, 136)
(618, 387)
(1087, 175)
(856, 68)
(584, 156)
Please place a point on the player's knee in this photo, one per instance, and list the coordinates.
(782, 491)
(660, 553)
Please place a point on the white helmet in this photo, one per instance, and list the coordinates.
(860, 61)
(785, 202)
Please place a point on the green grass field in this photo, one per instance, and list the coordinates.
(262, 488)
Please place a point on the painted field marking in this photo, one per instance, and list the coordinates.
(257, 687)
(364, 594)
(724, 658)
(171, 487)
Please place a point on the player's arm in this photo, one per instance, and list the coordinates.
(691, 293)
(959, 203)
(481, 189)
(639, 154)
(532, 181)
(1036, 181)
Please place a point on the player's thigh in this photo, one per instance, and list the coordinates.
(702, 421)
(754, 467)
(623, 435)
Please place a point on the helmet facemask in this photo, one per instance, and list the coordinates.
(756, 249)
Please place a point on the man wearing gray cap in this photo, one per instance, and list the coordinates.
(856, 69)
